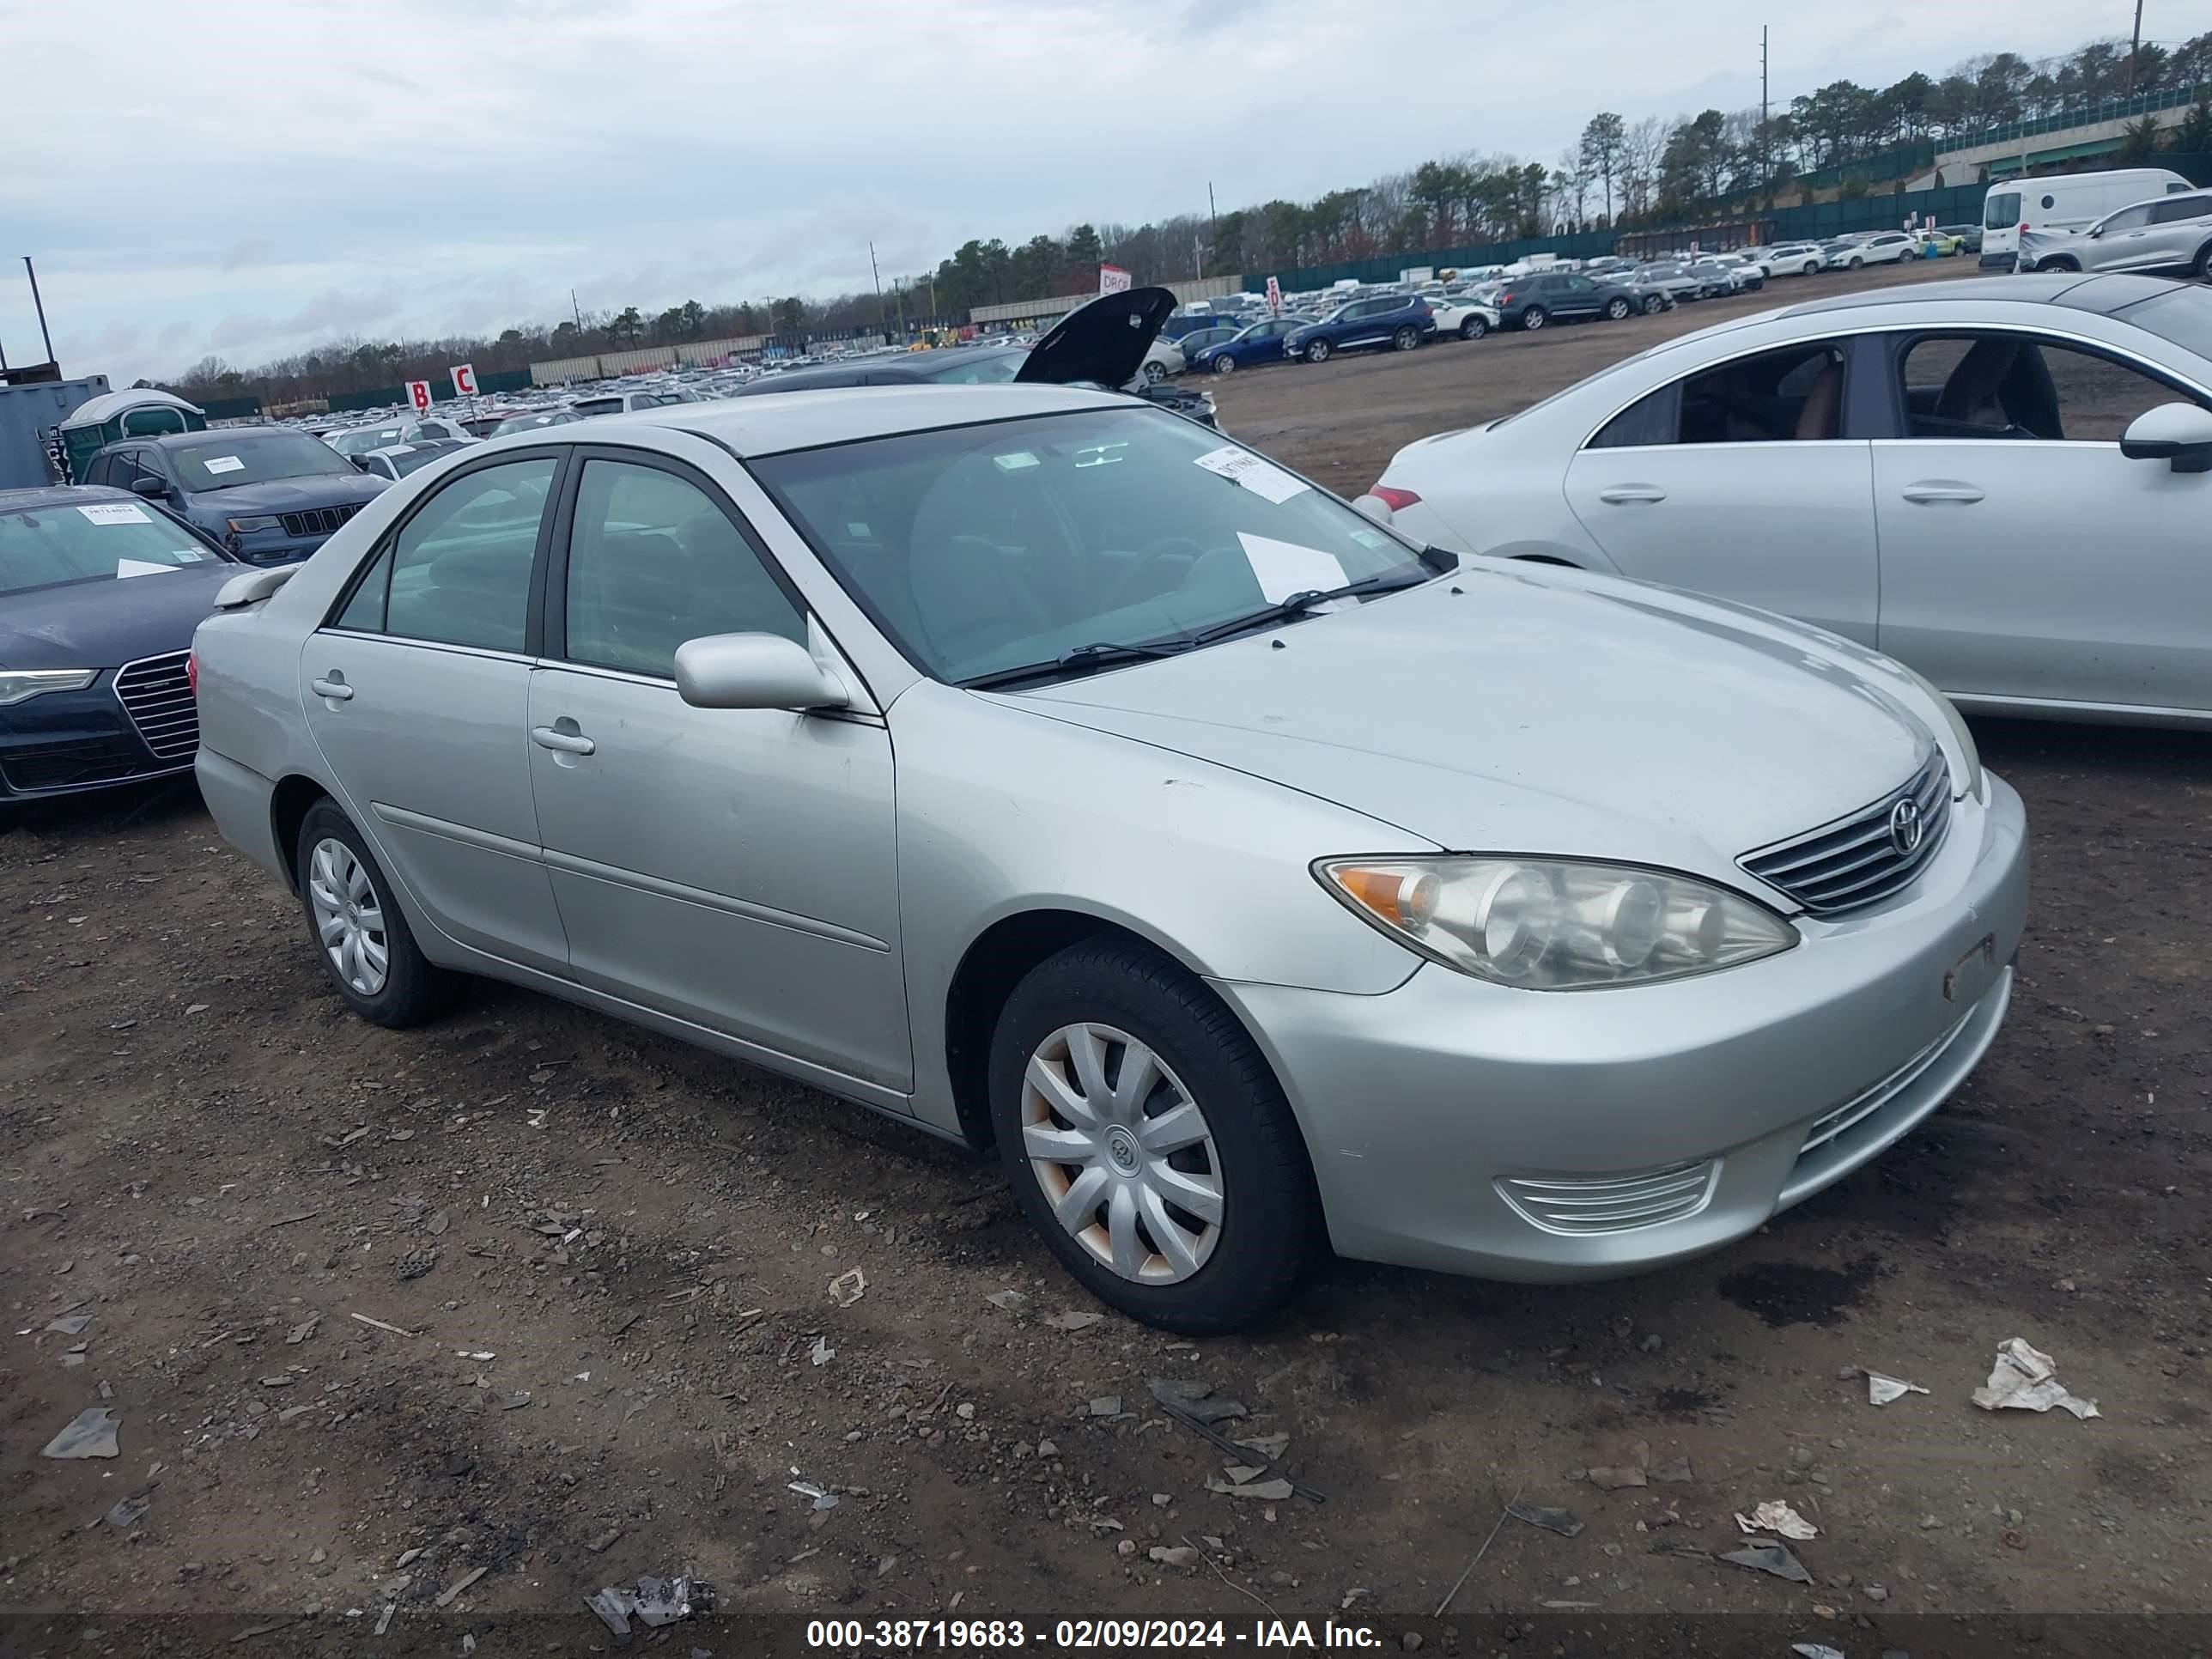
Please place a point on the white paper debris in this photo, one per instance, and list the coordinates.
(1282, 568)
(822, 1353)
(224, 463)
(1775, 1516)
(1881, 1390)
(2024, 1379)
(1256, 472)
(116, 512)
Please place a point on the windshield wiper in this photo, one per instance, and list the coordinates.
(1301, 603)
(1102, 654)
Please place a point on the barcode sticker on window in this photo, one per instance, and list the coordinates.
(225, 463)
(1257, 474)
(116, 512)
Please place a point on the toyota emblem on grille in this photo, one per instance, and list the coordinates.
(1906, 826)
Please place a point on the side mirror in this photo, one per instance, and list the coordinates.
(754, 671)
(152, 488)
(2177, 433)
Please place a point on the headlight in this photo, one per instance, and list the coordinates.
(1958, 732)
(17, 683)
(1553, 924)
(245, 526)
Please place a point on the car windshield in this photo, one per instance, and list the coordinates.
(985, 368)
(530, 423)
(410, 460)
(97, 541)
(2182, 315)
(228, 459)
(362, 438)
(984, 548)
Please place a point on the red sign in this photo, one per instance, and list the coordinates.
(1274, 296)
(1112, 279)
(418, 393)
(464, 380)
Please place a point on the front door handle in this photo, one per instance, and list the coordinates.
(1622, 495)
(568, 742)
(334, 687)
(1936, 489)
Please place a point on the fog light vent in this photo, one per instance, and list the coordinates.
(1611, 1203)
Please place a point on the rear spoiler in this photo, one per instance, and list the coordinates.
(252, 587)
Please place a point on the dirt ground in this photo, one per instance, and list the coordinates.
(607, 1259)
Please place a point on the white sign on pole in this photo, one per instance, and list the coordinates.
(464, 380)
(1112, 279)
(1274, 296)
(418, 393)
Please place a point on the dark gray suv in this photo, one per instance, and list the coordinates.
(1562, 296)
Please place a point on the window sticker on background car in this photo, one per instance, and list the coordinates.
(224, 463)
(1261, 477)
(1282, 568)
(116, 512)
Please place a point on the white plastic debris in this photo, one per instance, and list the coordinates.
(1881, 1390)
(1816, 1650)
(822, 1353)
(1775, 1516)
(2024, 1379)
(848, 1287)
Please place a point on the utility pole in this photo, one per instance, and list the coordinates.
(1765, 140)
(880, 326)
(2135, 49)
(41, 306)
(1212, 218)
(575, 311)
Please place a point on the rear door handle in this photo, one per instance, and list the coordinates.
(1622, 495)
(334, 687)
(1935, 490)
(568, 743)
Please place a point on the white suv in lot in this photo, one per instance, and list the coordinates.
(1884, 247)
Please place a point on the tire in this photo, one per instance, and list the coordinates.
(1616, 309)
(1155, 371)
(1854, 264)
(348, 903)
(1812, 268)
(1654, 304)
(1224, 364)
(1533, 319)
(1317, 351)
(2201, 269)
(1250, 1165)
(1406, 339)
(1473, 328)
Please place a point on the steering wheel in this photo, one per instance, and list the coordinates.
(1139, 580)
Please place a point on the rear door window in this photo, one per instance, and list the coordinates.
(2003, 211)
(459, 571)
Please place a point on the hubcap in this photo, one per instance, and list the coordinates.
(1122, 1152)
(349, 916)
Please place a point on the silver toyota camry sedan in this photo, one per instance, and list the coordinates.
(1038, 766)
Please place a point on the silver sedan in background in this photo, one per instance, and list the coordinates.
(2002, 482)
(1034, 766)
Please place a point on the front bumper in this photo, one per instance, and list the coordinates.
(70, 743)
(1466, 1127)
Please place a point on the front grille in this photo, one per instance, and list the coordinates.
(1611, 1203)
(158, 697)
(319, 520)
(79, 767)
(1861, 859)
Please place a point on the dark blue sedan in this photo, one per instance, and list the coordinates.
(1399, 321)
(1262, 343)
(99, 593)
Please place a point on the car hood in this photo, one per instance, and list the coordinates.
(1503, 709)
(288, 494)
(104, 624)
(1104, 341)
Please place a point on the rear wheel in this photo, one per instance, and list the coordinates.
(2202, 269)
(1155, 371)
(1148, 1140)
(1533, 319)
(1473, 329)
(1406, 338)
(1654, 304)
(1616, 309)
(360, 935)
(1317, 351)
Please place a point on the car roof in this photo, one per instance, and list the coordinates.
(37, 496)
(808, 420)
(2098, 294)
(218, 434)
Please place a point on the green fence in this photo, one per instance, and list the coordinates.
(441, 392)
(230, 409)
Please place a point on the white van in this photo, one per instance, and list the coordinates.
(2063, 201)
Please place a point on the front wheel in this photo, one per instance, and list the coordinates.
(1473, 329)
(1616, 309)
(2202, 268)
(1407, 338)
(1533, 319)
(360, 936)
(1317, 351)
(1148, 1140)
(1854, 264)
(1223, 364)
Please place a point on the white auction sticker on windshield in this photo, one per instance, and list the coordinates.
(1256, 473)
(1282, 568)
(140, 568)
(225, 463)
(116, 512)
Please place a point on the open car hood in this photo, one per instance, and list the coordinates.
(1103, 341)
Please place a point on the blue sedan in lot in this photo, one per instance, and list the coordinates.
(1262, 343)
(1400, 321)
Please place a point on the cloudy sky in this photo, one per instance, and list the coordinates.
(249, 177)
